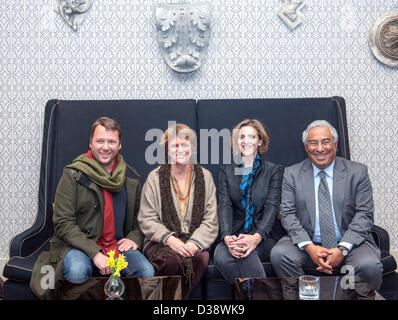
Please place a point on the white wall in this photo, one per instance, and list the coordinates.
(252, 54)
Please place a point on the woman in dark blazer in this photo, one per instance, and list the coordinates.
(249, 196)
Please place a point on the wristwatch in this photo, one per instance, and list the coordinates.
(343, 250)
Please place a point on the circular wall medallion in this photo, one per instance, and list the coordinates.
(383, 39)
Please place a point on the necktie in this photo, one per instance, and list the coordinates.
(326, 222)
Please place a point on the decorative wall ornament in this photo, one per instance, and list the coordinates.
(383, 39)
(290, 12)
(183, 33)
(73, 11)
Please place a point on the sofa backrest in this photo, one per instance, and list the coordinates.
(283, 119)
(66, 135)
(67, 124)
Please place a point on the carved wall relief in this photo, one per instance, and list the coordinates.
(290, 12)
(183, 34)
(383, 39)
(73, 11)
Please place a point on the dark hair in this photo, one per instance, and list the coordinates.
(108, 124)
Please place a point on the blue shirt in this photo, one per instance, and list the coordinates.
(317, 232)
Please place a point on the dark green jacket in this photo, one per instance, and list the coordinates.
(78, 220)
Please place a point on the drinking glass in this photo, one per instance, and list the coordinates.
(309, 288)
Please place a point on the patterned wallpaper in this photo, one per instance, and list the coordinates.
(252, 54)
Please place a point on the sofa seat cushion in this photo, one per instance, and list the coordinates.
(389, 286)
(20, 268)
(17, 290)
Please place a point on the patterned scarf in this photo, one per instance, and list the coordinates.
(245, 190)
(171, 220)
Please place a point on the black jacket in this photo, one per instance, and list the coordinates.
(266, 198)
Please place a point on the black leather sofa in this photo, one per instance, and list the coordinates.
(66, 133)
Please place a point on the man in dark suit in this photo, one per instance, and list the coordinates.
(327, 211)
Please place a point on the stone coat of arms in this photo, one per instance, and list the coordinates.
(290, 12)
(73, 11)
(383, 39)
(183, 34)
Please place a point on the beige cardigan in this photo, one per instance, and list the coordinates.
(150, 214)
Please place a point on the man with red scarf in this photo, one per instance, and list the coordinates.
(95, 211)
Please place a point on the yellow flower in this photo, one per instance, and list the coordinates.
(116, 265)
(110, 262)
(116, 273)
(111, 254)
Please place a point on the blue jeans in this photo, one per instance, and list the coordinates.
(77, 266)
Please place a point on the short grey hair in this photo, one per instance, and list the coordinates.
(320, 123)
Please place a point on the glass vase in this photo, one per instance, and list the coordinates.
(114, 288)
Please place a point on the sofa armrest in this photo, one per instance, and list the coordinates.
(27, 242)
(381, 238)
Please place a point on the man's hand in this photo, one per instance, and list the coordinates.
(126, 244)
(317, 255)
(335, 258)
(100, 262)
